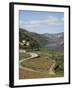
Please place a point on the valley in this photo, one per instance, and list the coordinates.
(50, 50)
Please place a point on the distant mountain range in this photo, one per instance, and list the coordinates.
(42, 39)
(54, 35)
(57, 38)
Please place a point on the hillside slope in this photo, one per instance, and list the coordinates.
(32, 37)
(40, 40)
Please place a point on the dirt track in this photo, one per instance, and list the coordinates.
(34, 55)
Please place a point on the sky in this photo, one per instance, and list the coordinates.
(41, 21)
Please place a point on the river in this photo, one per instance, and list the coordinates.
(54, 46)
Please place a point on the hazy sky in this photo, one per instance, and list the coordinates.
(41, 21)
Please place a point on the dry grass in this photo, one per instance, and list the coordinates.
(40, 63)
(25, 74)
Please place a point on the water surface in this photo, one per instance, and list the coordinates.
(54, 46)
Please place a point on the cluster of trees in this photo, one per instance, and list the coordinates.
(34, 45)
(60, 62)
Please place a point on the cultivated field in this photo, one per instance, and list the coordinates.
(49, 63)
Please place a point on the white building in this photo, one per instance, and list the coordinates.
(27, 44)
(23, 41)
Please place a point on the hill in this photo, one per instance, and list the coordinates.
(39, 40)
(35, 39)
(57, 38)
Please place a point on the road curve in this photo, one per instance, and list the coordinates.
(34, 55)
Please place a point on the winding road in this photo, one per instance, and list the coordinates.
(34, 55)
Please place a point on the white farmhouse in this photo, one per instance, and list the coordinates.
(27, 43)
(23, 41)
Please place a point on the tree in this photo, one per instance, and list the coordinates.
(34, 45)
